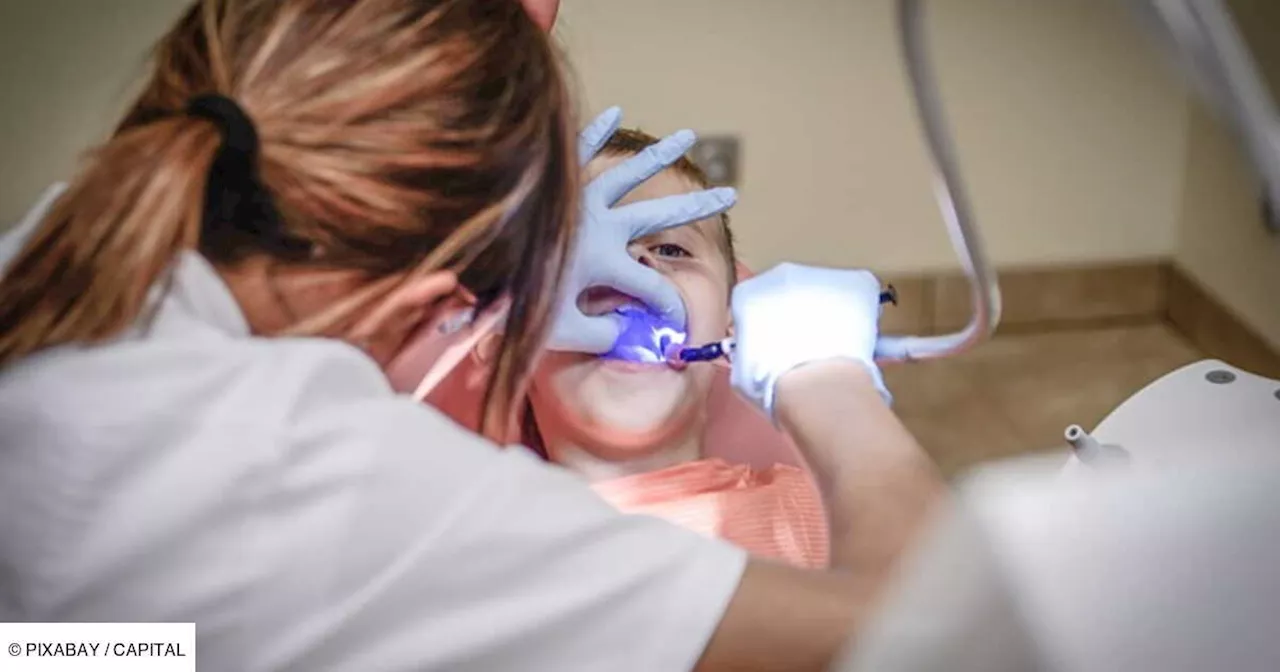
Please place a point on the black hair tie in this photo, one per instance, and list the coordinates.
(238, 211)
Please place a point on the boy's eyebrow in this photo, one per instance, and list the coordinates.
(696, 226)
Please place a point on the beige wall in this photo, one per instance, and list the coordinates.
(1071, 136)
(1071, 133)
(65, 71)
(1221, 240)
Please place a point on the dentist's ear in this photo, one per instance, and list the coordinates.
(543, 12)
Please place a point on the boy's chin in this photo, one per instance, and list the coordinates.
(636, 416)
(634, 404)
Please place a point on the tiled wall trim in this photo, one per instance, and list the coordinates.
(1034, 298)
(1072, 297)
(1215, 329)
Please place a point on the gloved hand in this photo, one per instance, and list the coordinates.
(792, 315)
(600, 257)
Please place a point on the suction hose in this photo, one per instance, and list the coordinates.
(953, 202)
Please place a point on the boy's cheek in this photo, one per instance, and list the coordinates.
(707, 305)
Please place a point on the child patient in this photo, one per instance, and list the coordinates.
(774, 512)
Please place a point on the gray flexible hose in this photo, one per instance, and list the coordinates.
(953, 201)
(1204, 42)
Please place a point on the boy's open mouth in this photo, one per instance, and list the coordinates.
(645, 337)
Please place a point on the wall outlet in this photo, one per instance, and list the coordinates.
(718, 156)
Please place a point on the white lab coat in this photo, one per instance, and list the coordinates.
(279, 494)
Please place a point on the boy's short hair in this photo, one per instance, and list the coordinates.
(631, 141)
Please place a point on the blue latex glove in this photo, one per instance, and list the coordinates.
(600, 257)
(792, 315)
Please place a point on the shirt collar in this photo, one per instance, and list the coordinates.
(194, 290)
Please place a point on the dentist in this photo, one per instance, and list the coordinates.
(194, 425)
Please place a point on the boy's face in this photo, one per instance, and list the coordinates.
(635, 396)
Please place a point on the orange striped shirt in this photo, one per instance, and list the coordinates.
(775, 512)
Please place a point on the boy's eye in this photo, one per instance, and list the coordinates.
(670, 250)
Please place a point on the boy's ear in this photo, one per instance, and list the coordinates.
(486, 349)
(482, 356)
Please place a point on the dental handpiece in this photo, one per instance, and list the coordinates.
(706, 353)
(724, 348)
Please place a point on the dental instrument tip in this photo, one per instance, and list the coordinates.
(704, 353)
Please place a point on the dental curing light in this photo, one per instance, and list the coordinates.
(645, 337)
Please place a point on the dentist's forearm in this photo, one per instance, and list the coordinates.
(878, 485)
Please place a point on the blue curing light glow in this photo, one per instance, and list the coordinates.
(645, 336)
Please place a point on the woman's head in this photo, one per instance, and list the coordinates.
(699, 260)
(399, 139)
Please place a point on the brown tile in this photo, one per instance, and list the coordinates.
(949, 415)
(962, 437)
(1057, 296)
(927, 386)
(952, 304)
(1042, 383)
(1012, 355)
(913, 313)
(1216, 330)
(1016, 394)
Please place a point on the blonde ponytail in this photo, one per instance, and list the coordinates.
(384, 137)
(84, 274)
